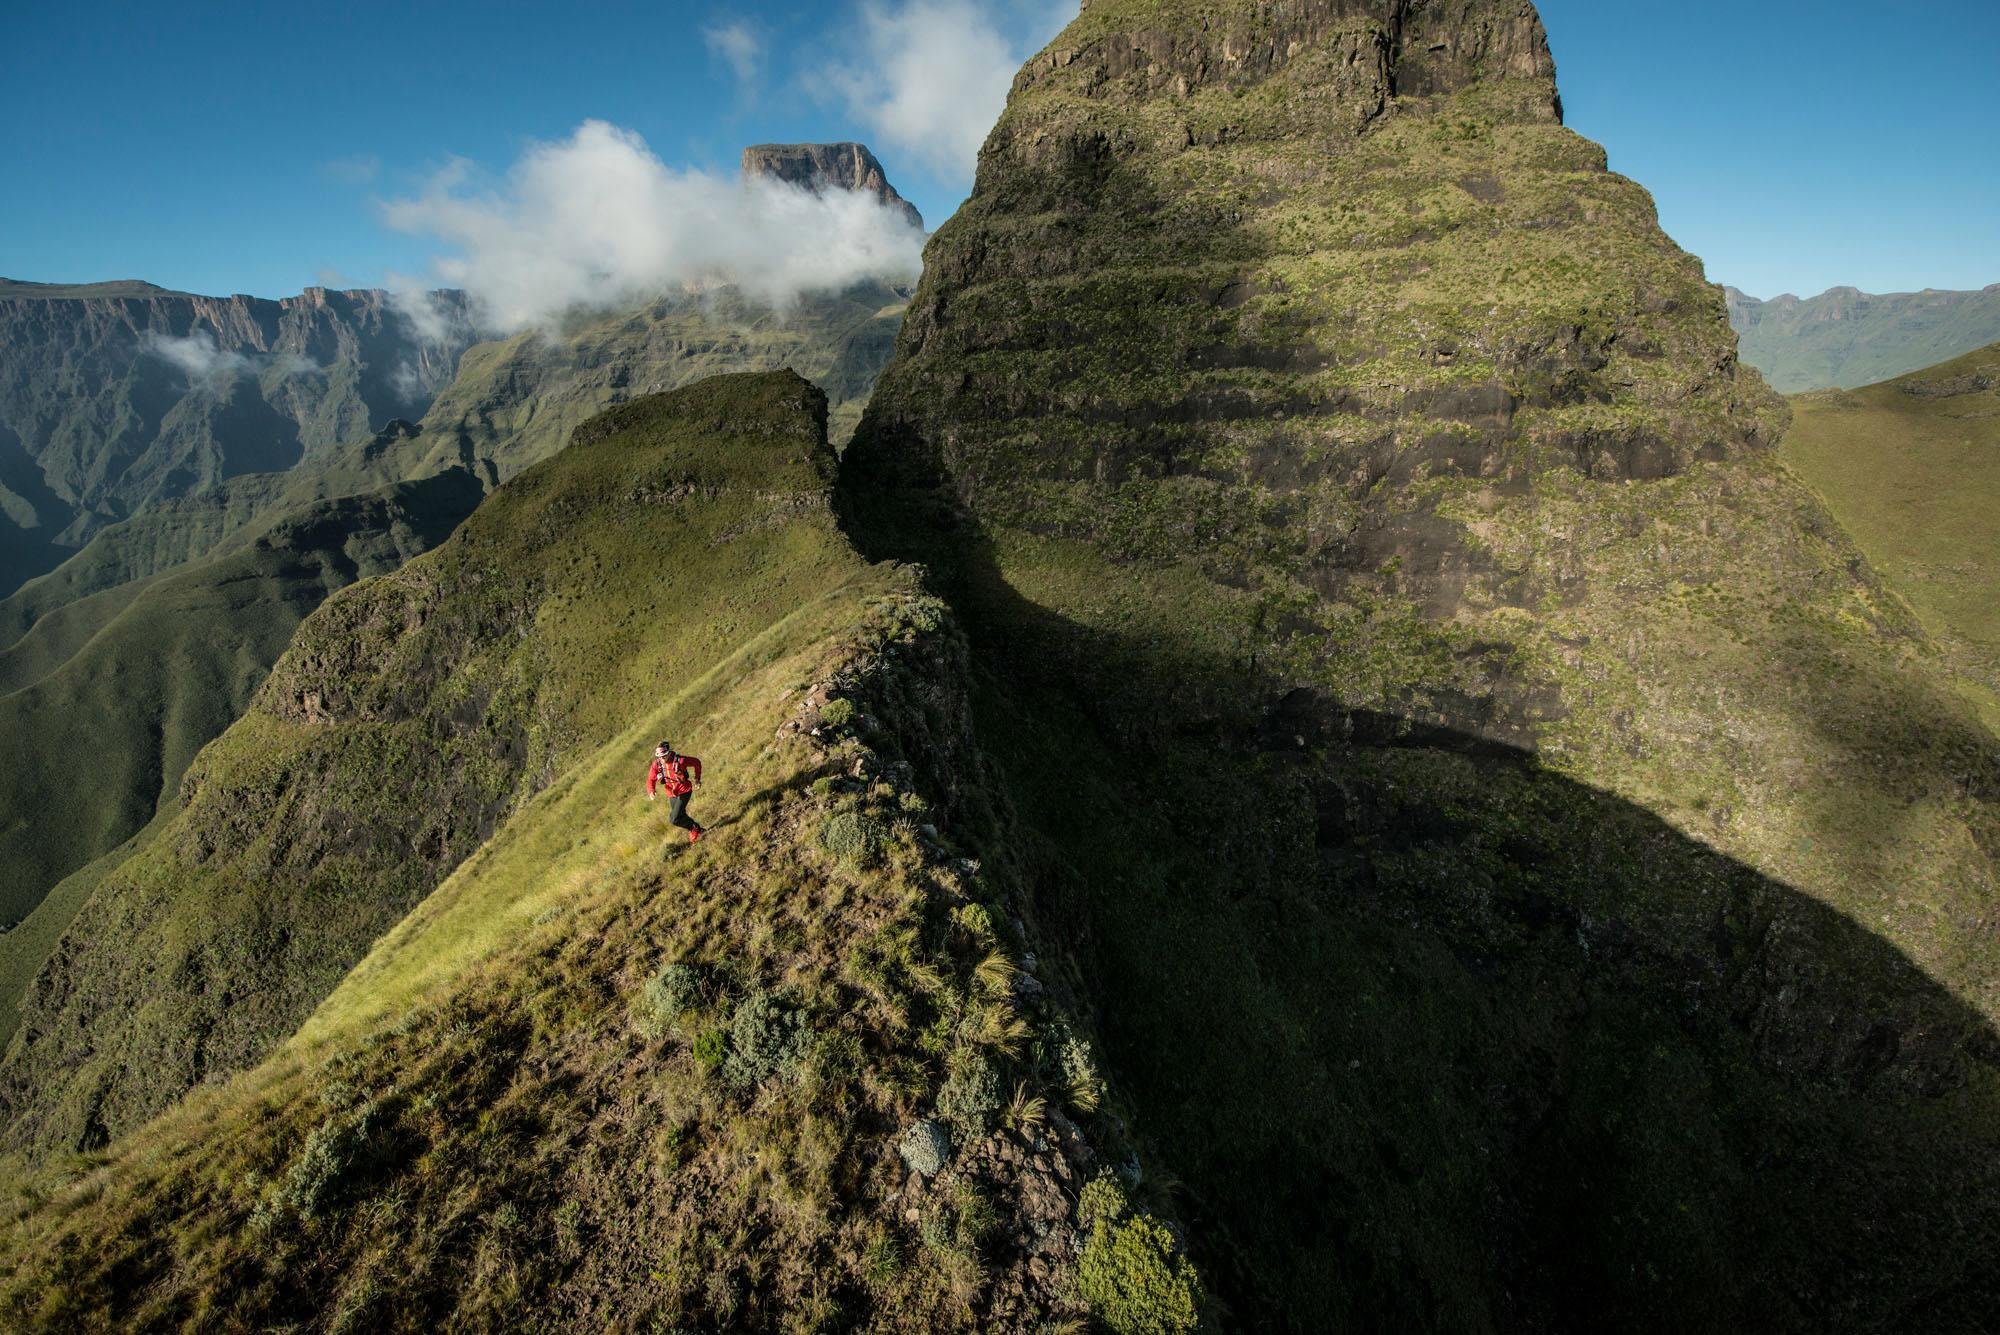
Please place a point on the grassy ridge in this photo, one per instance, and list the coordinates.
(1912, 469)
(512, 1069)
(410, 716)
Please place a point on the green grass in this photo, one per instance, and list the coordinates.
(26, 946)
(1912, 470)
(494, 1073)
(103, 719)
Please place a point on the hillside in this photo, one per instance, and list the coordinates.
(1312, 766)
(1520, 850)
(1846, 338)
(516, 401)
(1911, 468)
(100, 730)
(601, 1075)
(511, 404)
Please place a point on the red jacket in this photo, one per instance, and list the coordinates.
(677, 774)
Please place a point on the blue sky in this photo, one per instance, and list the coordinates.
(250, 147)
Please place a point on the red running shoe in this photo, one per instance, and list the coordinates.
(693, 835)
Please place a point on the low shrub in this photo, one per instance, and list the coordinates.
(837, 714)
(672, 990)
(766, 1038)
(335, 1153)
(855, 839)
(925, 1147)
(971, 1095)
(1131, 1274)
(709, 1049)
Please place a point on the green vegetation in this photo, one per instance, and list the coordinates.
(154, 637)
(600, 1075)
(1846, 339)
(1911, 468)
(1385, 757)
(98, 740)
(409, 717)
(104, 420)
(1132, 1274)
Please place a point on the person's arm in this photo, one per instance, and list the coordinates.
(652, 780)
(694, 768)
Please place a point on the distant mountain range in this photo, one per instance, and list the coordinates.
(117, 395)
(1846, 338)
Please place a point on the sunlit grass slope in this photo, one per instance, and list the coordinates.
(601, 1078)
(1911, 468)
(409, 717)
(99, 734)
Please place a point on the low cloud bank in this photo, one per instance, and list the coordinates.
(202, 359)
(597, 220)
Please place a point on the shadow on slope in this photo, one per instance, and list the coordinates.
(1426, 1036)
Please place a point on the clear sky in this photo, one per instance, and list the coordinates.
(1794, 144)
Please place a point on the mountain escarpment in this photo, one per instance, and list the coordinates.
(1524, 853)
(115, 395)
(1845, 338)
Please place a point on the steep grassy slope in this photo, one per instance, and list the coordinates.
(99, 733)
(27, 945)
(603, 1079)
(1846, 339)
(406, 720)
(1394, 606)
(514, 403)
(1912, 469)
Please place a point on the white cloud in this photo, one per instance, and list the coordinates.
(198, 355)
(931, 76)
(202, 359)
(740, 46)
(597, 220)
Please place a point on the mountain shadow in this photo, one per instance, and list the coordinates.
(1419, 1034)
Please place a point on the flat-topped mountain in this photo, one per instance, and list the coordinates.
(821, 167)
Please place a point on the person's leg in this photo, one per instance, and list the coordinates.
(677, 813)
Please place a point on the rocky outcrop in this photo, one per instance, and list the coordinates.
(1358, 501)
(821, 167)
(1269, 290)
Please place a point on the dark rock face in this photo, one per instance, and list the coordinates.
(820, 167)
(119, 394)
(1359, 502)
(1268, 289)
